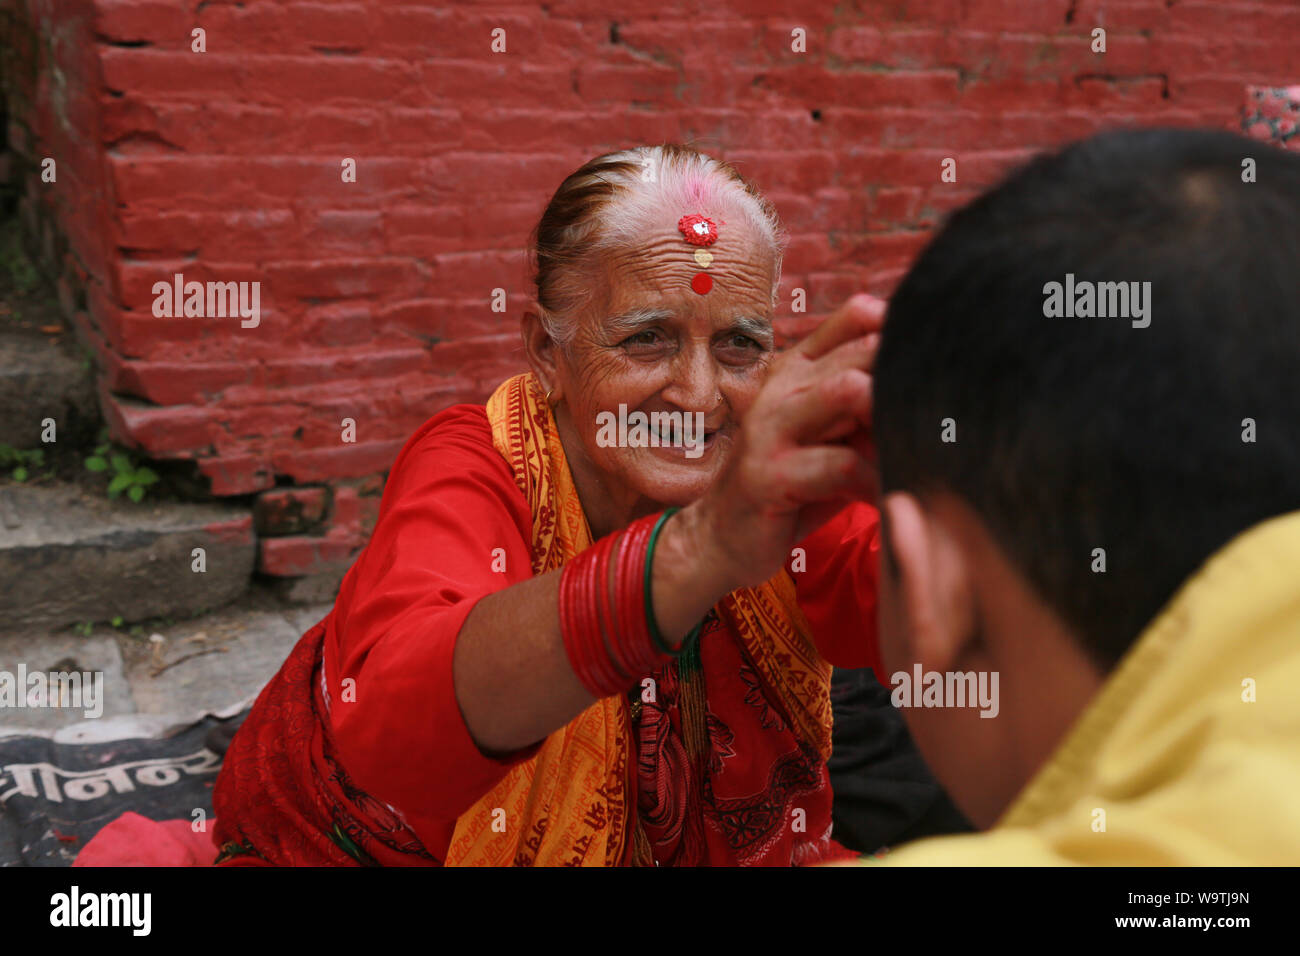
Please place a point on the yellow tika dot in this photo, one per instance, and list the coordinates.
(703, 257)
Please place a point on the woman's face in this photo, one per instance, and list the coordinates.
(652, 344)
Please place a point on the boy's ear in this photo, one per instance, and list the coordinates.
(541, 349)
(930, 577)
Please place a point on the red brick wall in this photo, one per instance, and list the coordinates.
(225, 165)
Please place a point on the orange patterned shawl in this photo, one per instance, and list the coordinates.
(574, 803)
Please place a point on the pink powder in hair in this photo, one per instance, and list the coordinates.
(696, 187)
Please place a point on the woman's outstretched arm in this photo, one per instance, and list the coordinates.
(794, 466)
(443, 671)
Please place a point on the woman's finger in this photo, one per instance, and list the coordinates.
(861, 315)
(824, 408)
(805, 476)
(859, 353)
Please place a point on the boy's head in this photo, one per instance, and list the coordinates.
(1052, 471)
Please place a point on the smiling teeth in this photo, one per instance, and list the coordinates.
(656, 429)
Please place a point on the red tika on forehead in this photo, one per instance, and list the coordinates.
(698, 230)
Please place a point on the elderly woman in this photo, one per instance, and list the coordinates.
(596, 619)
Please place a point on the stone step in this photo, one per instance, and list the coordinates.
(69, 556)
(41, 379)
(167, 675)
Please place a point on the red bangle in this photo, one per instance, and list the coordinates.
(597, 652)
(603, 615)
(570, 626)
(609, 623)
(630, 573)
(578, 624)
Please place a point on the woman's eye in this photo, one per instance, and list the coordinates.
(741, 350)
(648, 337)
(742, 343)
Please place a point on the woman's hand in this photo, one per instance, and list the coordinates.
(801, 454)
(804, 450)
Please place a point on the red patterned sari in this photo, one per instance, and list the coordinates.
(356, 751)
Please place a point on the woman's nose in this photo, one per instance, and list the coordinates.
(695, 384)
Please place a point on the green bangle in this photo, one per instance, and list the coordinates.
(656, 636)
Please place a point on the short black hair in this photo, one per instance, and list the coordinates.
(1081, 433)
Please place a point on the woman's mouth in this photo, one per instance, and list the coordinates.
(676, 434)
(678, 437)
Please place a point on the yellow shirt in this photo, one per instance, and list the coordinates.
(1192, 747)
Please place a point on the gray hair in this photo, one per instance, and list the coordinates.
(605, 205)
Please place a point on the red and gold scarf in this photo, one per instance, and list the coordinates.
(574, 803)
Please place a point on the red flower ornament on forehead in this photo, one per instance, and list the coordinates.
(700, 231)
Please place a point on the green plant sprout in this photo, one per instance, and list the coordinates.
(128, 476)
(23, 462)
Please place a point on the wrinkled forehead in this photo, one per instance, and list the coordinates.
(733, 272)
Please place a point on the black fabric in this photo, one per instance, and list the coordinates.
(885, 794)
(54, 797)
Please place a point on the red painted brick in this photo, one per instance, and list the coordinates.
(154, 21)
(179, 428)
(828, 290)
(881, 250)
(1044, 16)
(524, 82)
(233, 531)
(155, 72)
(174, 383)
(301, 555)
(858, 88)
(344, 461)
(627, 84)
(895, 206)
(286, 511)
(347, 510)
(237, 474)
(332, 26)
(343, 278)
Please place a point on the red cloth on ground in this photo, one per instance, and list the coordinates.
(133, 840)
(370, 689)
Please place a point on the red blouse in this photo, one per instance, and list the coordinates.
(450, 501)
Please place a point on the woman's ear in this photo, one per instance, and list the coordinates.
(930, 584)
(541, 349)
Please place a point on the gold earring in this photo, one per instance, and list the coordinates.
(548, 395)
